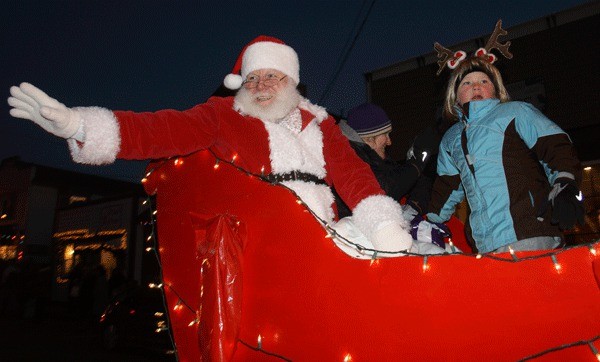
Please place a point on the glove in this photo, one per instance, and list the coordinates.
(567, 204)
(432, 232)
(424, 147)
(29, 102)
(391, 237)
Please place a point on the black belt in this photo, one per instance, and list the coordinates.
(295, 176)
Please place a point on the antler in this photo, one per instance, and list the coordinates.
(453, 59)
(444, 53)
(494, 44)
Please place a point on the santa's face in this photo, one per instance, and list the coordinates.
(264, 85)
(475, 86)
(267, 94)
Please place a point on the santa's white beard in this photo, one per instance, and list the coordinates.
(286, 100)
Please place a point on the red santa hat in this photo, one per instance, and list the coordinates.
(261, 53)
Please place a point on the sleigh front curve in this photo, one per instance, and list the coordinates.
(250, 275)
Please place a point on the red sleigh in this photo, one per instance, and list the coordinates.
(250, 275)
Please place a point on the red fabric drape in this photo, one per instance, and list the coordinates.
(219, 244)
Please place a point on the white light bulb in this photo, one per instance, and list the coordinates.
(557, 266)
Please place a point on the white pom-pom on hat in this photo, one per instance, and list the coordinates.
(264, 52)
(233, 81)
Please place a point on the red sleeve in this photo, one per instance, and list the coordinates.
(351, 176)
(166, 133)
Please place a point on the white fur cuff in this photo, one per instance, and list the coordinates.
(376, 211)
(102, 138)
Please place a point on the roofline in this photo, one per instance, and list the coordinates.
(554, 20)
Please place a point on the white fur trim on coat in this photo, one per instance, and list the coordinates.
(319, 112)
(302, 151)
(375, 212)
(318, 198)
(296, 152)
(102, 139)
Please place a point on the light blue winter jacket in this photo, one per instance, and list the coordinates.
(503, 157)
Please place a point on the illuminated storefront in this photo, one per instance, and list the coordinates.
(88, 236)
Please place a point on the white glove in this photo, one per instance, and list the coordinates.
(392, 237)
(31, 103)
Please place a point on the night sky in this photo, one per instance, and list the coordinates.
(149, 55)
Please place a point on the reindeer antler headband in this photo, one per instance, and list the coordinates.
(453, 59)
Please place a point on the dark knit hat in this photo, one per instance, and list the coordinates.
(369, 120)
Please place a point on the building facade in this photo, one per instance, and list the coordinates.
(65, 222)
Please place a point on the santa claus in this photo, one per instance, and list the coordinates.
(268, 127)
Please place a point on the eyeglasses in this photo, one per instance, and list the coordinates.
(268, 80)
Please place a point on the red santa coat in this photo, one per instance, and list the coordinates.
(320, 149)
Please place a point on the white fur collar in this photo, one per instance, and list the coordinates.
(290, 151)
(301, 151)
(319, 112)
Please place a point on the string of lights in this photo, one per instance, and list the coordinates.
(260, 349)
(588, 342)
(331, 232)
(153, 239)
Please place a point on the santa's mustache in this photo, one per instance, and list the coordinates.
(263, 96)
(285, 100)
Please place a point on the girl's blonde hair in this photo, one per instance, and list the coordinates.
(469, 65)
